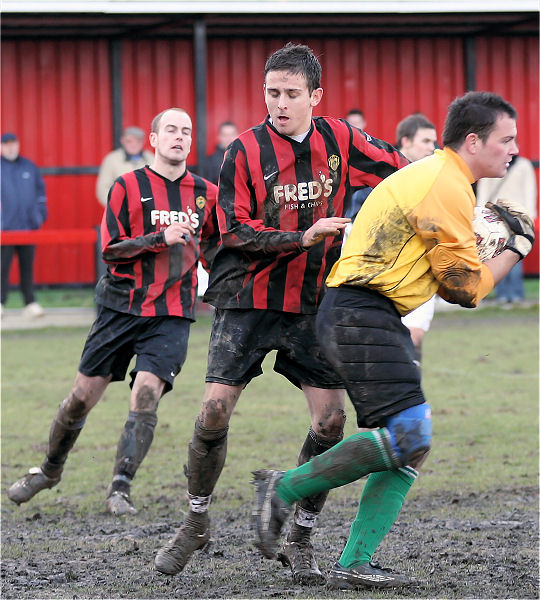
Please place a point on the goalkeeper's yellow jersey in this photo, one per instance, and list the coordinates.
(413, 237)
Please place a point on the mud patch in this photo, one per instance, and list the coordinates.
(475, 546)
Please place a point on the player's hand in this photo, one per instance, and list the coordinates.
(329, 226)
(519, 222)
(178, 233)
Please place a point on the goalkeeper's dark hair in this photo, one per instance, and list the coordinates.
(475, 112)
(299, 60)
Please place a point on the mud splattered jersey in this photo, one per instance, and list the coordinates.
(272, 189)
(146, 277)
(414, 237)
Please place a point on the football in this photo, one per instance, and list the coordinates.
(491, 232)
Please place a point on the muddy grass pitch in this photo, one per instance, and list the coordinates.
(470, 546)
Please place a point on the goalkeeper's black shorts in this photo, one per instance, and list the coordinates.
(371, 350)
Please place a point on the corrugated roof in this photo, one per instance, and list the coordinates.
(267, 6)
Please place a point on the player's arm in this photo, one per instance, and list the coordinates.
(117, 244)
(371, 159)
(239, 213)
(444, 222)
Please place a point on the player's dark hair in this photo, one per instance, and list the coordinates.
(157, 119)
(296, 59)
(408, 127)
(475, 112)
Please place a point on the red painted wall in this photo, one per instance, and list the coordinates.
(387, 78)
(510, 67)
(157, 75)
(57, 98)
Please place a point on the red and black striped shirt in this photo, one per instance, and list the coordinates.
(145, 277)
(271, 190)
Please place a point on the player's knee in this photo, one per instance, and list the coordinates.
(146, 398)
(331, 423)
(215, 413)
(410, 433)
(73, 409)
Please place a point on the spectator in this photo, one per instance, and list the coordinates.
(356, 118)
(227, 133)
(128, 157)
(518, 184)
(24, 208)
(417, 138)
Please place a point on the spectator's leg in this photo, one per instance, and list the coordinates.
(26, 266)
(7, 257)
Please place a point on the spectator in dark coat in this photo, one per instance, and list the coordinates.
(24, 208)
(227, 132)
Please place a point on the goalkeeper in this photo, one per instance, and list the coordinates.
(413, 238)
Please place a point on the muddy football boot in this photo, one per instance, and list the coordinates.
(119, 503)
(362, 576)
(174, 556)
(299, 557)
(269, 513)
(29, 485)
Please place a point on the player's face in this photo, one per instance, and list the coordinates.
(289, 102)
(495, 154)
(173, 139)
(421, 145)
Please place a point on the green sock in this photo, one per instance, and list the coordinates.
(351, 459)
(380, 504)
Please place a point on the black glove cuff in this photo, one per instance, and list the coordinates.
(521, 257)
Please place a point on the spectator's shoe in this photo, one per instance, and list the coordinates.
(269, 513)
(299, 557)
(33, 311)
(368, 575)
(174, 556)
(119, 503)
(29, 485)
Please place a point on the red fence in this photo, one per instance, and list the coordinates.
(57, 98)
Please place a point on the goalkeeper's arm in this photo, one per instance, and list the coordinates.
(502, 264)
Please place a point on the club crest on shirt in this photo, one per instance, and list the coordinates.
(333, 162)
(200, 201)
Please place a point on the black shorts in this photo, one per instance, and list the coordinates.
(241, 338)
(372, 351)
(160, 344)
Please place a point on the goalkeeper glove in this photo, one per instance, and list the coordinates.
(519, 223)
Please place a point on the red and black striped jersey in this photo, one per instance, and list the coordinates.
(145, 277)
(271, 190)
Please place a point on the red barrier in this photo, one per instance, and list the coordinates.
(63, 256)
(48, 237)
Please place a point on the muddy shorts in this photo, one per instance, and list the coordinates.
(241, 338)
(371, 350)
(159, 343)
